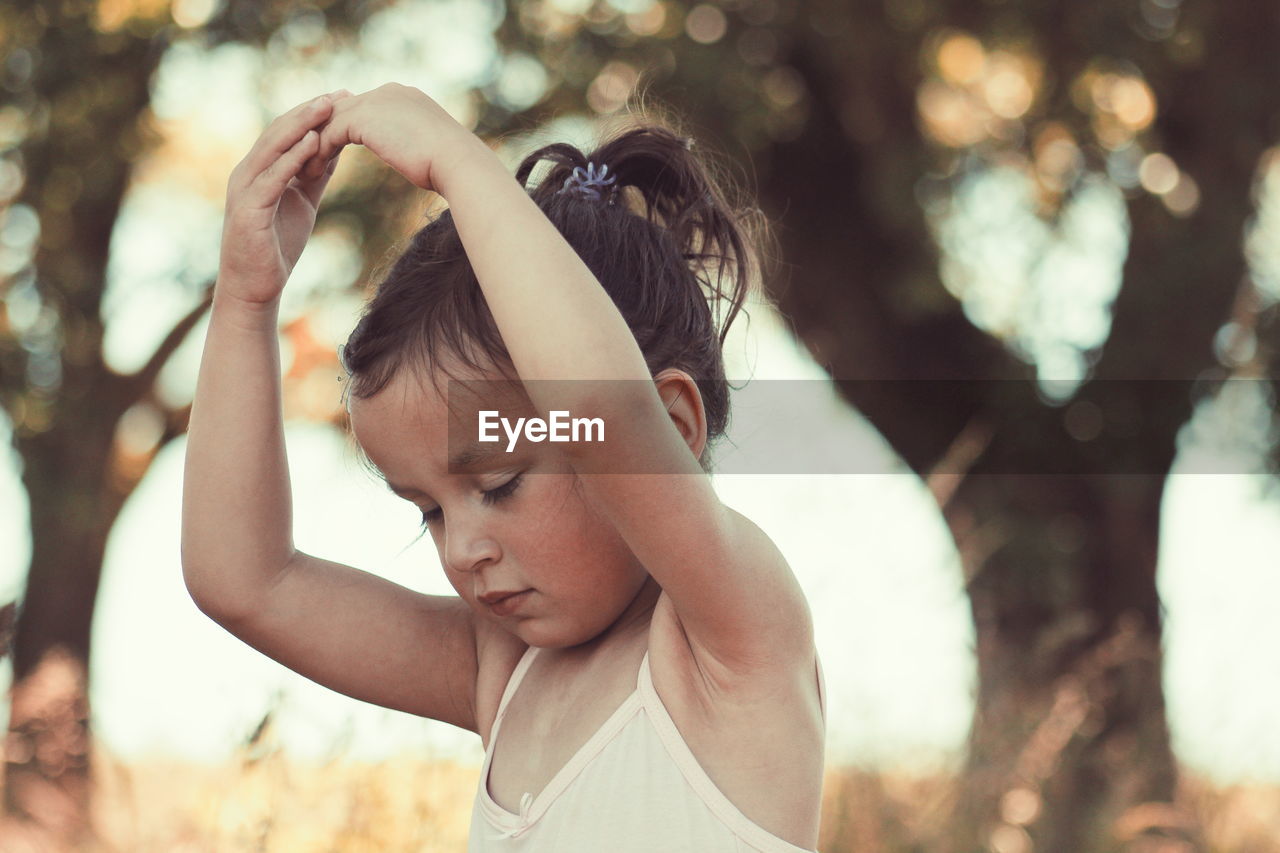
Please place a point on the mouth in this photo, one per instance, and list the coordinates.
(504, 604)
(494, 596)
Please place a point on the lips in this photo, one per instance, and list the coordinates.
(505, 603)
(497, 595)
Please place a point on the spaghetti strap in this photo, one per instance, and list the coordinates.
(634, 780)
(517, 675)
(822, 689)
(532, 807)
(705, 790)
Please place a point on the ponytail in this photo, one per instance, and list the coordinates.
(651, 215)
(658, 176)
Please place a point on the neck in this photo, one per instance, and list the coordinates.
(633, 621)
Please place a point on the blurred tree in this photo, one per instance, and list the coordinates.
(75, 123)
(860, 116)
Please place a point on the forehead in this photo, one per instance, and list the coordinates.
(414, 421)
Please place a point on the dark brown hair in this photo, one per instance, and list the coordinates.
(661, 240)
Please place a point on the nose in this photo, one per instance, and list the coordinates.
(467, 546)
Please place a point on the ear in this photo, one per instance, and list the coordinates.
(683, 402)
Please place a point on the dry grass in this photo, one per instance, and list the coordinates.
(276, 803)
(886, 813)
(270, 802)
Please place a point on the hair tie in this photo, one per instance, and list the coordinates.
(589, 182)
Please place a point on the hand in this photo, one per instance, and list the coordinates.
(404, 127)
(271, 205)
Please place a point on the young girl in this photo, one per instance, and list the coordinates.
(637, 658)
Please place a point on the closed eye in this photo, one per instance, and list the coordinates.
(490, 497)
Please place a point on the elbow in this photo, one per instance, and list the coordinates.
(199, 579)
(221, 605)
(193, 573)
(227, 588)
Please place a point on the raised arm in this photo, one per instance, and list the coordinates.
(347, 629)
(737, 599)
(236, 511)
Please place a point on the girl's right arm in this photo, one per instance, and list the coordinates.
(347, 629)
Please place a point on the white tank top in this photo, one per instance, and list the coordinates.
(636, 757)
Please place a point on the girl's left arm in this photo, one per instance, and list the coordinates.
(733, 591)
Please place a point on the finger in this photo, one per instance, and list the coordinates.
(270, 185)
(324, 158)
(313, 184)
(321, 162)
(283, 133)
(336, 132)
(318, 165)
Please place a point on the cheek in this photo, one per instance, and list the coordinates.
(459, 583)
(558, 519)
(578, 535)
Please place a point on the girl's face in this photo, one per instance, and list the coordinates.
(505, 522)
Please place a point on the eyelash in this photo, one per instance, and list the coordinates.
(492, 496)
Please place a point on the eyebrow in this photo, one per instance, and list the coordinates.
(473, 454)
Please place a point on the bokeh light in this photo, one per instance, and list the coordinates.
(705, 24)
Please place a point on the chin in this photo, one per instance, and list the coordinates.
(534, 635)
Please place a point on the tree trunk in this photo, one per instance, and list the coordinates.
(1069, 748)
(87, 92)
(75, 498)
(1058, 529)
(85, 89)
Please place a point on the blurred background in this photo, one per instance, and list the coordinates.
(1020, 243)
